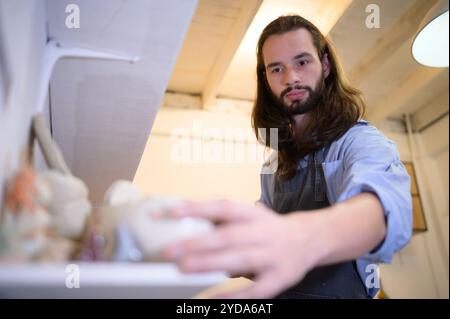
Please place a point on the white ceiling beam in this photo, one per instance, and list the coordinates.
(398, 97)
(392, 40)
(248, 12)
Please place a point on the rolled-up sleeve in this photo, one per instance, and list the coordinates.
(371, 164)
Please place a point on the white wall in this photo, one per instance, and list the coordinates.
(215, 168)
(421, 269)
(23, 37)
(433, 146)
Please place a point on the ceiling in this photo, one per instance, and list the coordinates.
(376, 60)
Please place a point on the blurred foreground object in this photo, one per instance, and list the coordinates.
(126, 229)
(45, 212)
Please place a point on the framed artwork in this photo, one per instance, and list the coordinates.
(419, 221)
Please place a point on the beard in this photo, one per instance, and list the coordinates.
(303, 106)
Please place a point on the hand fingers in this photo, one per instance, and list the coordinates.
(222, 238)
(242, 260)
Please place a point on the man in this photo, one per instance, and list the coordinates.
(339, 200)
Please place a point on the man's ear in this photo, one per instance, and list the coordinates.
(325, 65)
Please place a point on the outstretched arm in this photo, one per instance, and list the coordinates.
(278, 250)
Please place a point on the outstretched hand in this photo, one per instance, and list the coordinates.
(276, 250)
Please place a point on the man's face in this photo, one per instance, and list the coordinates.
(294, 71)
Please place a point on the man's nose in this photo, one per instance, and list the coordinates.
(291, 76)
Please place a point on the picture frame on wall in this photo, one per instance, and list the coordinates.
(419, 221)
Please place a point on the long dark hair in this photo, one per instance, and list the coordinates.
(341, 105)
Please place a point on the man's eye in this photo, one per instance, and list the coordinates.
(303, 62)
(275, 70)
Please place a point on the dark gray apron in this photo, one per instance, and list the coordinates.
(307, 191)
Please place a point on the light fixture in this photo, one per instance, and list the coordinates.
(430, 46)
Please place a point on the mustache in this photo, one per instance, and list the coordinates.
(295, 87)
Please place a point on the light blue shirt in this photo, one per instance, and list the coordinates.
(364, 160)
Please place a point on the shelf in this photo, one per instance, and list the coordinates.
(102, 280)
